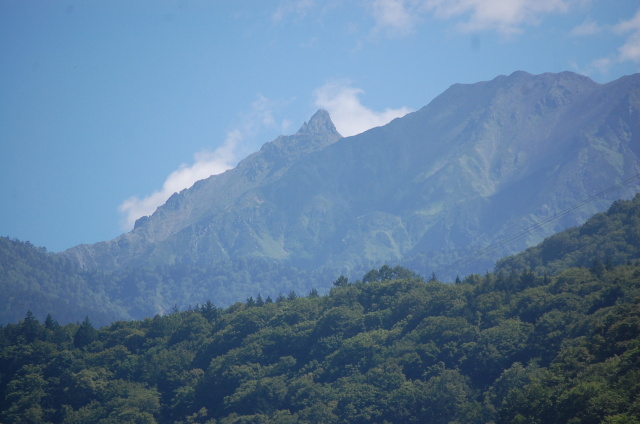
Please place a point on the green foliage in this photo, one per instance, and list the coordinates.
(85, 334)
(607, 239)
(493, 348)
(32, 278)
(515, 346)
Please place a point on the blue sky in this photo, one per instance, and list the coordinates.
(108, 107)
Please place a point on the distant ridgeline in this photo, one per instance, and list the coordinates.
(553, 336)
(478, 164)
(605, 240)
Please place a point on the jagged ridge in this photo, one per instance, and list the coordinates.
(479, 163)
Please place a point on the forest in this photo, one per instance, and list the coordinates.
(551, 336)
(32, 277)
(517, 348)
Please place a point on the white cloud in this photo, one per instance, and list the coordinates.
(394, 15)
(630, 50)
(632, 24)
(205, 164)
(504, 16)
(350, 117)
(601, 65)
(401, 17)
(299, 8)
(588, 27)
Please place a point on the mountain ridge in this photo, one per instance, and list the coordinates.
(270, 159)
(480, 162)
(430, 191)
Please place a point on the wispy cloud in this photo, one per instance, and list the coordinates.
(298, 8)
(206, 163)
(504, 16)
(402, 17)
(630, 50)
(394, 16)
(349, 115)
(587, 28)
(601, 66)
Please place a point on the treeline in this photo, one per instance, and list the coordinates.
(33, 279)
(496, 348)
(606, 239)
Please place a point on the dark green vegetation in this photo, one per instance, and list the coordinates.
(506, 347)
(492, 348)
(33, 279)
(606, 239)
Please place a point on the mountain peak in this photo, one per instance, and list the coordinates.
(479, 162)
(319, 123)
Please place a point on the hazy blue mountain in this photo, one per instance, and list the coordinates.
(483, 171)
(216, 218)
(33, 279)
(480, 163)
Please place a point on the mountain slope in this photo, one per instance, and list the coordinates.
(33, 279)
(480, 162)
(607, 239)
(220, 197)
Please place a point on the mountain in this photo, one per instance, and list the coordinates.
(483, 171)
(33, 279)
(607, 239)
(214, 219)
(478, 164)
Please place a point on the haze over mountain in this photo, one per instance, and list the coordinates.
(481, 162)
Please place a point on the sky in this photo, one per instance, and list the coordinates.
(109, 107)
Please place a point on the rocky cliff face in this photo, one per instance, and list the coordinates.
(480, 163)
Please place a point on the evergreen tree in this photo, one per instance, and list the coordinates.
(85, 334)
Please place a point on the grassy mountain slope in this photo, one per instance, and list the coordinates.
(505, 347)
(480, 162)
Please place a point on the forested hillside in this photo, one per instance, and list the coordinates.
(552, 336)
(606, 239)
(32, 278)
(497, 348)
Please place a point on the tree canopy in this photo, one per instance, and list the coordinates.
(492, 348)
